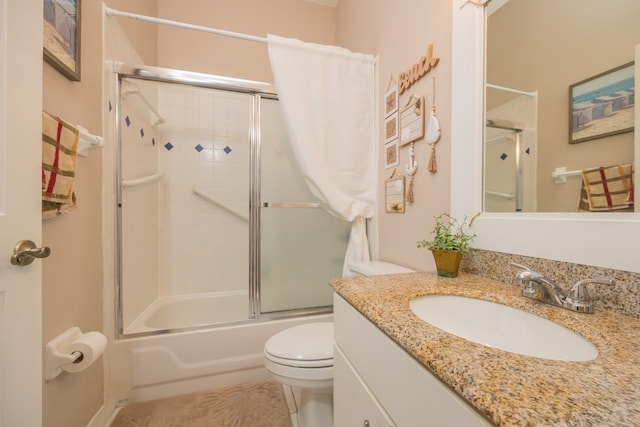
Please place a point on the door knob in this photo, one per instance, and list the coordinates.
(25, 251)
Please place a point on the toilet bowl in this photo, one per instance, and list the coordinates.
(302, 357)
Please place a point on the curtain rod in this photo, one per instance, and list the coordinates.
(114, 12)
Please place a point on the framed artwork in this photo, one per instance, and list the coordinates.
(602, 105)
(390, 128)
(391, 154)
(61, 36)
(412, 120)
(391, 99)
(394, 195)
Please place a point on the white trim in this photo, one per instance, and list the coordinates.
(598, 239)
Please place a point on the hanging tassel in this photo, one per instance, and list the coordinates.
(433, 166)
(409, 196)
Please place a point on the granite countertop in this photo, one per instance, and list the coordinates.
(507, 388)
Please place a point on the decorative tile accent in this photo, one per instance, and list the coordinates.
(199, 148)
(127, 120)
(153, 141)
(227, 149)
(141, 133)
(110, 106)
(168, 146)
(503, 156)
(528, 150)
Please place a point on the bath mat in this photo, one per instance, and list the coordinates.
(257, 404)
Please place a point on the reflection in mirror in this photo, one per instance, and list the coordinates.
(535, 51)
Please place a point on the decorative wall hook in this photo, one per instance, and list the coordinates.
(411, 169)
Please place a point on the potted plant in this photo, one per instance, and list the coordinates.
(450, 241)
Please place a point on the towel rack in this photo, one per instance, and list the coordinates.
(219, 204)
(560, 174)
(87, 141)
(134, 90)
(140, 181)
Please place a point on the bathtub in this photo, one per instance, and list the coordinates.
(184, 311)
(167, 364)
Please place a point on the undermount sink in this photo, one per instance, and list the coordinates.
(503, 327)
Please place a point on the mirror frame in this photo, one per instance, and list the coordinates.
(599, 239)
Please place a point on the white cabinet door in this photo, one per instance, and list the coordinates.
(354, 405)
(20, 206)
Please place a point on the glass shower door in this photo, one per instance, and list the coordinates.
(301, 246)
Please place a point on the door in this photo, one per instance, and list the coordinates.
(302, 246)
(20, 171)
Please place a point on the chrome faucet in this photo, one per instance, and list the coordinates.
(540, 288)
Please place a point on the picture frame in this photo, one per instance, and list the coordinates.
(391, 99)
(391, 154)
(394, 195)
(412, 120)
(390, 128)
(61, 36)
(602, 105)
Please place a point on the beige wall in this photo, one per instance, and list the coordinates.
(548, 45)
(399, 32)
(209, 53)
(72, 275)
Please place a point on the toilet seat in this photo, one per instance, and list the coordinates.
(303, 346)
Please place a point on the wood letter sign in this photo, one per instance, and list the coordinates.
(418, 70)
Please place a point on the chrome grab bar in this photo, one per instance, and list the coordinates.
(291, 205)
(140, 181)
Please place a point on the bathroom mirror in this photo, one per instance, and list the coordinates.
(536, 50)
(584, 238)
(412, 120)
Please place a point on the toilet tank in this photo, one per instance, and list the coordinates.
(375, 268)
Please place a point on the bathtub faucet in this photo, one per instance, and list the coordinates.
(540, 288)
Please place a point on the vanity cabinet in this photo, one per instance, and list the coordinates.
(354, 404)
(375, 380)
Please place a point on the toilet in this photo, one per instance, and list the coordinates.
(302, 357)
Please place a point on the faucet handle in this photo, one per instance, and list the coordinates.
(578, 296)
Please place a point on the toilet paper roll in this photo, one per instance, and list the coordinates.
(91, 345)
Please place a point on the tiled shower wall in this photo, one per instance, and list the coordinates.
(177, 243)
(203, 145)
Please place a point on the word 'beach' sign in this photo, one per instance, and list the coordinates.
(419, 69)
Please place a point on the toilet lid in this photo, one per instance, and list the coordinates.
(310, 344)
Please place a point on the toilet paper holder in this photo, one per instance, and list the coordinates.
(58, 354)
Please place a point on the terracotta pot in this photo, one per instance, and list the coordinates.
(447, 262)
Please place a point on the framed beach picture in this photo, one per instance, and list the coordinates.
(602, 105)
(61, 36)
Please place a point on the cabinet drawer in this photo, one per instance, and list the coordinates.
(410, 394)
(354, 405)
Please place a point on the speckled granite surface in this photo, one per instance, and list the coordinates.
(507, 388)
(623, 297)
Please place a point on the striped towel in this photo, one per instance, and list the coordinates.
(607, 188)
(59, 145)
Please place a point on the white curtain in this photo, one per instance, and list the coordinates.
(327, 97)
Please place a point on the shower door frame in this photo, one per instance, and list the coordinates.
(259, 91)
